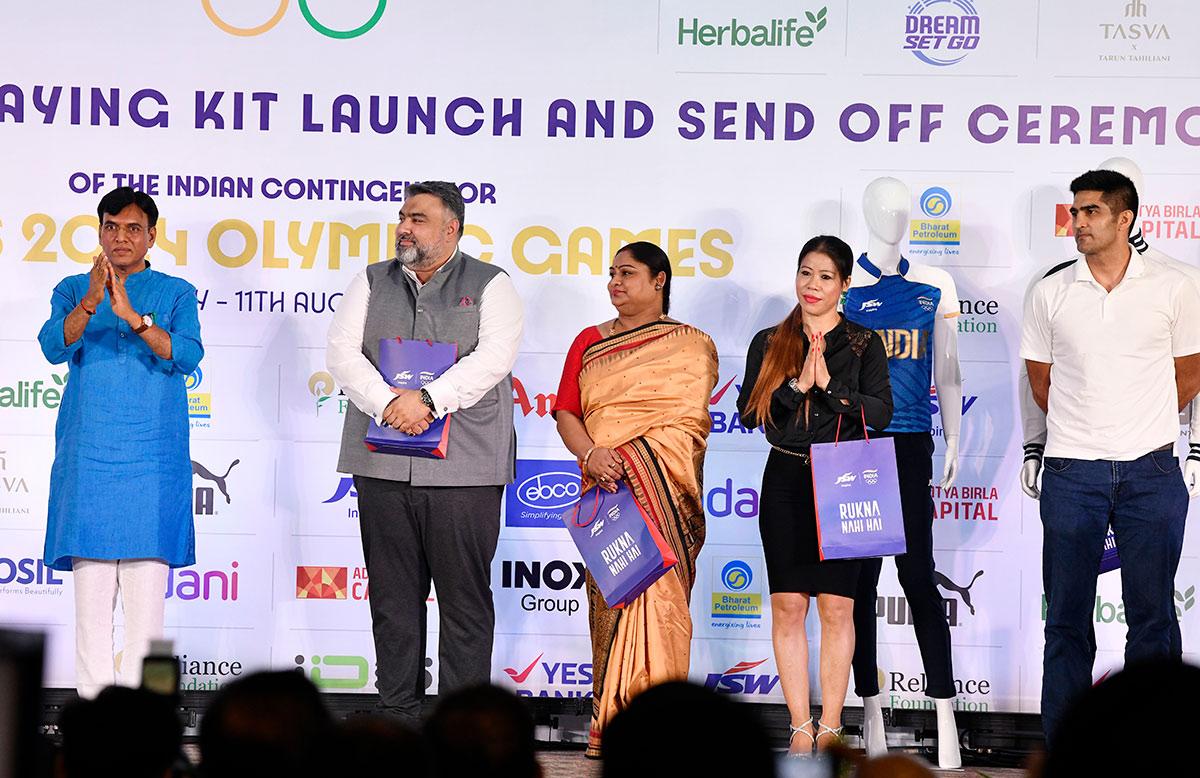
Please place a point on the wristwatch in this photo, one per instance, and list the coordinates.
(794, 385)
(428, 401)
(147, 323)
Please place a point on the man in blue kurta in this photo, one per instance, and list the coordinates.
(120, 487)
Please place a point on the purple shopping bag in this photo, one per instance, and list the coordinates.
(1109, 559)
(410, 364)
(857, 495)
(620, 545)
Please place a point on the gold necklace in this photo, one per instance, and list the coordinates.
(613, 329)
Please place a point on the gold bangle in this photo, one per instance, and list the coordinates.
(583, 462)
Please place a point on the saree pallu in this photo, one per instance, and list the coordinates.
(645, 395)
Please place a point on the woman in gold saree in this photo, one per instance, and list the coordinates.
(633, 406)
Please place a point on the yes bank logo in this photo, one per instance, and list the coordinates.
(551, 679)
(541, 492)
(271, 12)
(727, 419)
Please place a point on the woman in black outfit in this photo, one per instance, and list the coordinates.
(802, 376)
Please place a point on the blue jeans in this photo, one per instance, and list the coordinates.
(1146, 503)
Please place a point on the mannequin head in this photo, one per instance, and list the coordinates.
(886, 204)
(1126, 167)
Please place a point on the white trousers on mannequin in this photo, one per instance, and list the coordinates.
(142, 584)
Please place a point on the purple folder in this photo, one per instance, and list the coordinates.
(410, 364)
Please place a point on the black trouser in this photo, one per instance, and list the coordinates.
(411, 535)
(914, 452)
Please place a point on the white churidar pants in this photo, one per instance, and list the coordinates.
(142, 584)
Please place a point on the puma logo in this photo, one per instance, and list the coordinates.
(203, 472)
(963, 591)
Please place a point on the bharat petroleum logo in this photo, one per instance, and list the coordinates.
(194, 379)
(305, 11)
(736, 575)
(935, 202)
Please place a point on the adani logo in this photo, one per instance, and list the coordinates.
(192, 584)
(739, 680)
(723, 409)
(542, 490)
(552, 679)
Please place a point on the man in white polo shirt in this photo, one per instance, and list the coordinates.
(1111, 342)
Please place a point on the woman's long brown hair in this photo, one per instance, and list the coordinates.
(785, 347)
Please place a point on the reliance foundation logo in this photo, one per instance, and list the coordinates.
(326, 393)
(773, 33)
(906, 691)
(941, 32)
(736, 597)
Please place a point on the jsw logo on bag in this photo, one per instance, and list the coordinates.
(846, 479)
(871, 476)
(404, 375)
(597, 527)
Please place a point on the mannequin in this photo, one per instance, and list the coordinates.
(889, 293)
(1033, 419)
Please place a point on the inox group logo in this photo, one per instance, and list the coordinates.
(277, 11)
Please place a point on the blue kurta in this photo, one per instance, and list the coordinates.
(121, 483)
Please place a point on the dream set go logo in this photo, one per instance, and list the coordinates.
(281, 9)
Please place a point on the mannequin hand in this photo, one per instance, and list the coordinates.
(1191, 477)
(950, 470)
(1029, 477)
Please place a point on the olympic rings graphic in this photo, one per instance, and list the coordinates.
(305, 11)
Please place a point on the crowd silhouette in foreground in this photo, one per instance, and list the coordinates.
(276, 724)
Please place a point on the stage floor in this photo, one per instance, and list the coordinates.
(573, 764)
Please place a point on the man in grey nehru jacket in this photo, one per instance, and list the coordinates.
(430, 519)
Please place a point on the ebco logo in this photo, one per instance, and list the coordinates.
(942, 37)
(305, 11)
(736, 575)
(547, 491)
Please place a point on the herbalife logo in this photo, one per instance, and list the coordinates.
(34, 394)
(775, 33)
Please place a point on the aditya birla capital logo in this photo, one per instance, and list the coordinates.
(332, 582)
(1156, 221)
(547, 678)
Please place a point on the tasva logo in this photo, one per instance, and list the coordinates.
(739, 680)
(941, 32)
(556, 575)
(547, 491)
(192, 584)
(554, 674)
(281, 9)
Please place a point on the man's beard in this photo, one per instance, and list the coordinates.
(414, 257)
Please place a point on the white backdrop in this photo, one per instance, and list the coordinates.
(577, 127)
